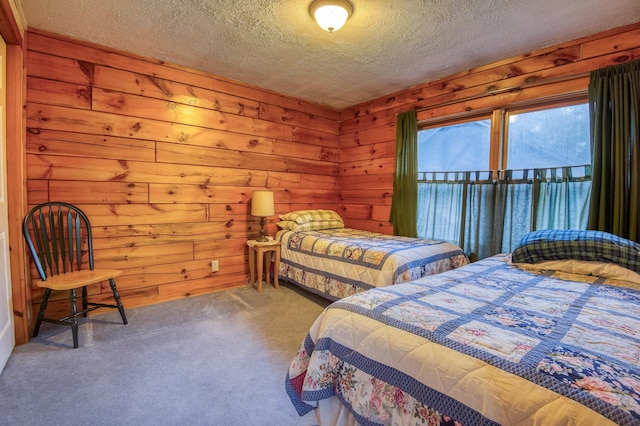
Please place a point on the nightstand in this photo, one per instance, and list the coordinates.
(257, 253)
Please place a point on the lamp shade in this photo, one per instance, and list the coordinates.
(262, 204)
(331, 15)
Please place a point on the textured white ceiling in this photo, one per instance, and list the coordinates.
(386, 46)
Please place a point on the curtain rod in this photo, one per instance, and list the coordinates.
(562, 173)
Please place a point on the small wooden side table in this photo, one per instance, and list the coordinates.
(257, 252)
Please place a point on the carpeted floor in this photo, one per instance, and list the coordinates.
(217, 359)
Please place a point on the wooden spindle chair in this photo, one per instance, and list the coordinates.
(55, 233)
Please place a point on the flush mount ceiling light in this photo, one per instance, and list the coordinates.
(331, 14)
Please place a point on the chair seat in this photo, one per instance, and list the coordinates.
(77, 279)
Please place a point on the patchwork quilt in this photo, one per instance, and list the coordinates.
(336, 263)
(488, 343)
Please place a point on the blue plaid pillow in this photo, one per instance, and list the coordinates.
(594, 246)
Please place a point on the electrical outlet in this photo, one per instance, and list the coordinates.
(214, 266)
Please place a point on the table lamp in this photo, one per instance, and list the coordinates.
(262, 207)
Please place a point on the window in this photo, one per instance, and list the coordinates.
(446, 148)
(534, 138)
(554, 137)
(487, 180)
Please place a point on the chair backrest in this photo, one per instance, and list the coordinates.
(58, 236)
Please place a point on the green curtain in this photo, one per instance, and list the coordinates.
(614, 105)
(405, 183)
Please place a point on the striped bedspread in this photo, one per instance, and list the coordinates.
(484, 344)
(336, 263)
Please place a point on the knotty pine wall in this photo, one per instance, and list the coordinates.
(164, 159)
(367, 138)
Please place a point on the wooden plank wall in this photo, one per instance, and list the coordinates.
(164, 159)
(367, 135)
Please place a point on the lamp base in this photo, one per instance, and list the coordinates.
(263, 237)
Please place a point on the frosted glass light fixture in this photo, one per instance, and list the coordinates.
(331, 14)
(262, 207)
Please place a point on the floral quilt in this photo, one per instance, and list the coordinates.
(336, 263)
(487, 343)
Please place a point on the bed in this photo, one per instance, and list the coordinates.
(501, 341)
(320, 255)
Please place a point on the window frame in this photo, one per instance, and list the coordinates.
(499, 116)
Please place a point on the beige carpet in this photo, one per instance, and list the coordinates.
(218, 359)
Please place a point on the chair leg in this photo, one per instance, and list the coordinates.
(43, 307)
(85, 301)
(116, 296)
(74, 317)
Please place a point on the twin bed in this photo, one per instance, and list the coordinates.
(322, 256)
(547, 335)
